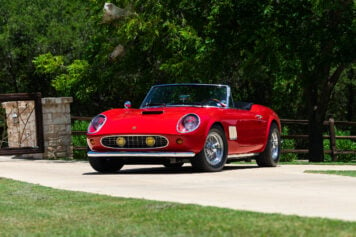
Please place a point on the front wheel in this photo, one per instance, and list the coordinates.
(213, 156)
(105, 164)
(270, 156)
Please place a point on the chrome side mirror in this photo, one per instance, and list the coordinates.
(127, 104)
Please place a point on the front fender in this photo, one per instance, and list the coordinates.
(273, 118)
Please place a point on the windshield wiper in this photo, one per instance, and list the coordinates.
(196, 103)
(155, 104)
(185, 104)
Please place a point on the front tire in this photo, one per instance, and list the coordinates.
(105, 164)
(270, 156)
(213, 156)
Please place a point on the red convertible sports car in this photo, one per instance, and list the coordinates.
(179, 123)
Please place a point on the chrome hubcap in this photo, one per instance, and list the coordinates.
(214, 148)
(274, 145)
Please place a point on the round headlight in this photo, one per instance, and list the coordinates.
(96, 123)
(188, 123)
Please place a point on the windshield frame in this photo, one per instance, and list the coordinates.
(228, 98)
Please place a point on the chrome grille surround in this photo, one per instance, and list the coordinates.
(134, 142)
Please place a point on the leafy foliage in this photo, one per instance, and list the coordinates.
(68, 80)
(294, 56)
(342, 145)
(38, 27)
(288, 144)
(79, 140)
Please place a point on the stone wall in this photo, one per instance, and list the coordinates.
(21, 126)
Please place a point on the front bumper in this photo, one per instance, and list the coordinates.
(141, 154)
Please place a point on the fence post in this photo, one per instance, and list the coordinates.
(332, 138)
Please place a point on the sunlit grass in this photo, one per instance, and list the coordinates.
(33, 210)
(351, 173)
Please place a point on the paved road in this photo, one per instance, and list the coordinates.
(285, 189)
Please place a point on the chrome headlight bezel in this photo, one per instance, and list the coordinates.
(96, 124)
(188, 123)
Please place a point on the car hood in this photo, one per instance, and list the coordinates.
(148, 121)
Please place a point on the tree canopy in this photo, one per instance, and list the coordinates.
(30, 29)
(296, 56)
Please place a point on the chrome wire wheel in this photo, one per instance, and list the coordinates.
(213, 155)
(274, 140)
(270, 156)
(214, 148)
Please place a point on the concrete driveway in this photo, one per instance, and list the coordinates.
(285, 189)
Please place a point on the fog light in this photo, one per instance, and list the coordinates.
(121, 141)
(179, 141)
(150, 141)
(92, 142)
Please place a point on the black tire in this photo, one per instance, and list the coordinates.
(173, 165)
(270, 156)
(213, 156)
(105, 164)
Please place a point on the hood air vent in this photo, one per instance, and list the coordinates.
(152, 112)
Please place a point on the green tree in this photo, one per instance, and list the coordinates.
(315, 40)
(289, 53)
(28, 29)
(185, 41)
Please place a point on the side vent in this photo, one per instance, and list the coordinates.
(152, 112)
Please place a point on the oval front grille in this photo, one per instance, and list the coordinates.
(133, 142)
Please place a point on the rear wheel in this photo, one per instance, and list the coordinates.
(270, 156)
(213, 156)
(105, 164)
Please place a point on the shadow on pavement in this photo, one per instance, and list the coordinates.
(164, 170)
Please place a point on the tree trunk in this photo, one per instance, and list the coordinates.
(315, 130)
(318, 97)
(316, 147)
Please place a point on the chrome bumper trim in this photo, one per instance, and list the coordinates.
(243, 155)
(140, 154)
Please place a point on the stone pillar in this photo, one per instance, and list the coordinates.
(57, 128)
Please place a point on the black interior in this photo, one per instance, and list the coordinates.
(243, 105)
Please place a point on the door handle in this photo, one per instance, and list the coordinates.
(259, 117)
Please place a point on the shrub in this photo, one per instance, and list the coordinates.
(79, 140)
(341, 145)
(288, 144)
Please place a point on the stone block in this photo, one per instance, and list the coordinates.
(61, 155)
(60, 118)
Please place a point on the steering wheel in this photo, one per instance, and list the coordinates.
(214, 102)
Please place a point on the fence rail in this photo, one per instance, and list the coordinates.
(332, 137)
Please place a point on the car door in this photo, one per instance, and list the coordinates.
(250, 128)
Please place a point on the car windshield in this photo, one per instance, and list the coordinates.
(187, 95)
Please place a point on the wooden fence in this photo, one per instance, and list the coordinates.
(80, 133)
(332, 137)
(333, 151)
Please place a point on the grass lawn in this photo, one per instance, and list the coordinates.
(302, 162)
(351, 173)
(33, 210)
